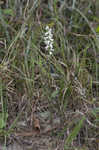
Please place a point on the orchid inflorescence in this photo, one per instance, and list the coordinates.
(48, 40)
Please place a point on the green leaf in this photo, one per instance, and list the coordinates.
(3, 118)
(75, 131)
(8, 12)
(54, 94)
(97, 29)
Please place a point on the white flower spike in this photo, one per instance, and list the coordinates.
(48, 40)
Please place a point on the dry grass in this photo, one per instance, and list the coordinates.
(61, 90)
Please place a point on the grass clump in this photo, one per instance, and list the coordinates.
(65, 82)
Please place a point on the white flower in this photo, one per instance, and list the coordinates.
(48, 40)
(50, 53)
(47, 28)
(51, 40)
(47, 47)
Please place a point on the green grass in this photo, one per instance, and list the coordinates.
(25, 69)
